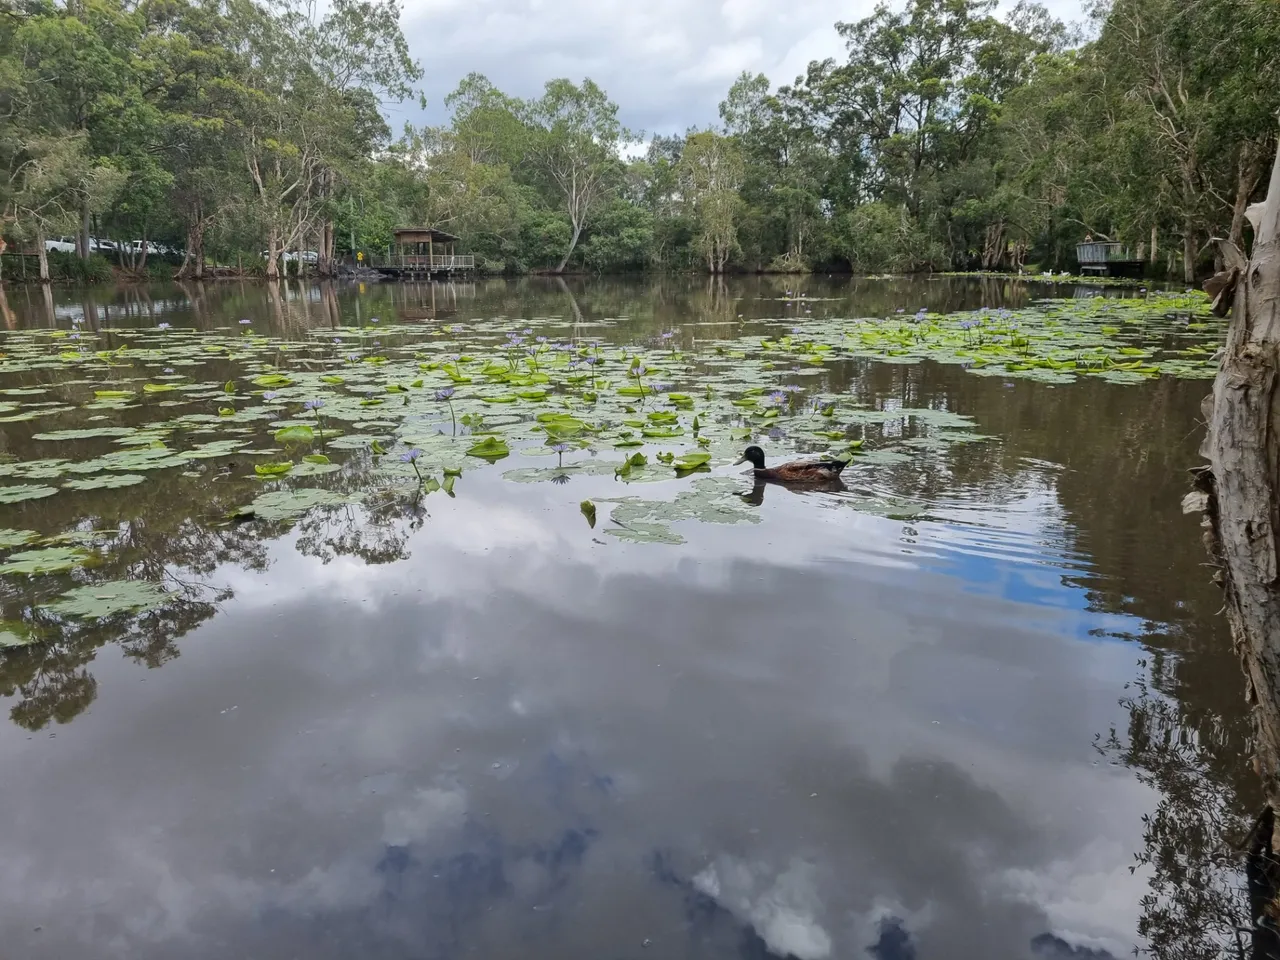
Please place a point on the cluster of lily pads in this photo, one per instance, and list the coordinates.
(365, 414)
(1123, 340)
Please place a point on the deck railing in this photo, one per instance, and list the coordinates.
(1096, 251)
(461, 261)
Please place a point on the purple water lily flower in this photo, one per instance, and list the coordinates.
(162, 326)
(593, 360)
(75, 336)
(313, 405)
(445, 393)
(776, 433)
(270, 395)
(245, 321)
(373, 319)
(541, 339)
(337, 339)
(778, 397)
(168, 369)
(561, 448)
(353, 357)
(411, 455)
(528, 330)
(900, 310)
(668, 335)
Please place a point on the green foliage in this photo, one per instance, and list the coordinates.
(948, 137)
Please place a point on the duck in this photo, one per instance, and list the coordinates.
(795, 472)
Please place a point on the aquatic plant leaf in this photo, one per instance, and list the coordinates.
(279, 505)
(113, 394)
(25, 491)
(48, 560)
(158, 387)
(98, 600)
(272, 469)
(107, 481)
(490, 448)
(16, 538)
(85, 433)
(295, 434)
(692, 460)
(15, 633)
(641, 532)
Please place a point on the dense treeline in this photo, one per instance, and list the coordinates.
(236, 132)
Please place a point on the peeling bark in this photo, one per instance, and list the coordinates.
(1241, 496)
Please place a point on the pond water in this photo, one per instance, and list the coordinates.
(279, 685)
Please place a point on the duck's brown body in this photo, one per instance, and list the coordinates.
(795, 472)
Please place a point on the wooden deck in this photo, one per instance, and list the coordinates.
(420, 267)
(1107, 259)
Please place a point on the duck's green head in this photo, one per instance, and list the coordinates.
(753, 455)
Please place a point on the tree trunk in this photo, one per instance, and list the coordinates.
(1188, 253)
(82, 241)
(573, 242)
(1240, 493)
(1155, 248)
(1246, 181)
(273, 255)
(42, 254)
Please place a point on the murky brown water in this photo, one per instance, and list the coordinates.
(489, 731)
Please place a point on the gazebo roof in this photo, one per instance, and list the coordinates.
(423, 235)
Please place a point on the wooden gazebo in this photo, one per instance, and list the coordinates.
(425, 252)
(1106, 258)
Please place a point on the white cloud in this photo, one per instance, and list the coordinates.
(667, 63)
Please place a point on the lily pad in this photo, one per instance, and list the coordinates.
(97, 600)
(25, 491)
(48, 560)
(287, 504)
(16, 538)
(107, 481)
(490, 448)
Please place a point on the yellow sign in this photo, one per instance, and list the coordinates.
(360, 256)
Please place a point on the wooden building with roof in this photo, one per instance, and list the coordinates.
(425, 253)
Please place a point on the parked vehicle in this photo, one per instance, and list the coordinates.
(61, 244)
(291, 256)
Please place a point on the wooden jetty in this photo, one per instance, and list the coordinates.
(1107, 259)
(424, 253)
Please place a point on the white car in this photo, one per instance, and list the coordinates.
(61, 244)
(289, 256)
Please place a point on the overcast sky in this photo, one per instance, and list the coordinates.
(666, 63)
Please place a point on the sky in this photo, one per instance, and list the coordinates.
(666, 63)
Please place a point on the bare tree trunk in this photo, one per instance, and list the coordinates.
(42, 254)
(273, 254)
(1248, 171)
(1240, 493)
(1188, 253)
(1155, 241)
(82, 240)
(573, 242)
